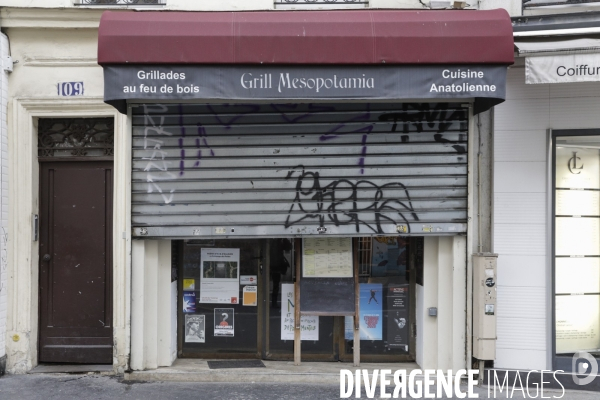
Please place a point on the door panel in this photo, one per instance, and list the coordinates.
(198, 319)
(76, 262)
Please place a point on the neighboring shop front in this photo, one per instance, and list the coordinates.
(546, 220)
(320, 162)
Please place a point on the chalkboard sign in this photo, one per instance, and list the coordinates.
(327, 296)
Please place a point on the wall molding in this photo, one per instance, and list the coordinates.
(32, 61)
(60, 18)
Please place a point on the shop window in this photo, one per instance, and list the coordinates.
(237, 299)
(384, 297)
(319, 4)
(576, 246)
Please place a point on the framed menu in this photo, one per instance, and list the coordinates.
(327, 257)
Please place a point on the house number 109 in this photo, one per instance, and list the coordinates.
(70, 88)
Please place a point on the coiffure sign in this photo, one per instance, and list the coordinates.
(563, 69)
(483, 83)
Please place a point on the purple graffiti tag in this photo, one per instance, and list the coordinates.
(182, 151)
(240, 111)
(204, 137)
(361, 162)
(336, 132)
(202, 142)
(284, 109)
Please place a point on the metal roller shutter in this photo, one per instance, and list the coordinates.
(351, 169)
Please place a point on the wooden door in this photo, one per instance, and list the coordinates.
(76, 262)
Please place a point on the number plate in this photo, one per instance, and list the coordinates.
(69, 89)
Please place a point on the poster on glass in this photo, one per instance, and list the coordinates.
(224, 325)
(371, 313)
(189, 302)
(194, 328)
(220, 277)
(309, 324)
(397, 323)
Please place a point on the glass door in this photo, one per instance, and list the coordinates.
(220, 302)
(386, 291)
(320, 342)
(576, 250)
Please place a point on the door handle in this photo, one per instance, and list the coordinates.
(46, 257)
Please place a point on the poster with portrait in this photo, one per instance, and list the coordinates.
(371, 313)
(397, 320)
(194, 328)
(224, 322)
(220, 276)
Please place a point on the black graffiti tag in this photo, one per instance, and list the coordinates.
(337, 203)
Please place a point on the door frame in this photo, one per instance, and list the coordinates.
(23, 252)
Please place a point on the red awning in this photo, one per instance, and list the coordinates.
(307, 37)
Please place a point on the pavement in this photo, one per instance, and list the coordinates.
(99, 386)
(193, 379)
(197, 370)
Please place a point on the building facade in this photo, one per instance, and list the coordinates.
(155, 252)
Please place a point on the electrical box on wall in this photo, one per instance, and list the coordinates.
(484, 305)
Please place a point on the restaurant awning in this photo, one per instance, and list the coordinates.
(307, 37)
(398, 55)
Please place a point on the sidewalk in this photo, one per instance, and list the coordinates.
(193, 370)
(98, 387)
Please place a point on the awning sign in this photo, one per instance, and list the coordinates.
(562, 69)
(151, 83)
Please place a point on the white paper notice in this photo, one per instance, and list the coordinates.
(577, 236)
(577, 202)
(577, 323)
(220, 277)
(309, 324)
(577, 275)
(327, 258)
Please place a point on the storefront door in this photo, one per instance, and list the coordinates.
(576, 251)
(234, 300)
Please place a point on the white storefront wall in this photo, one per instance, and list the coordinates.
(521, 209)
